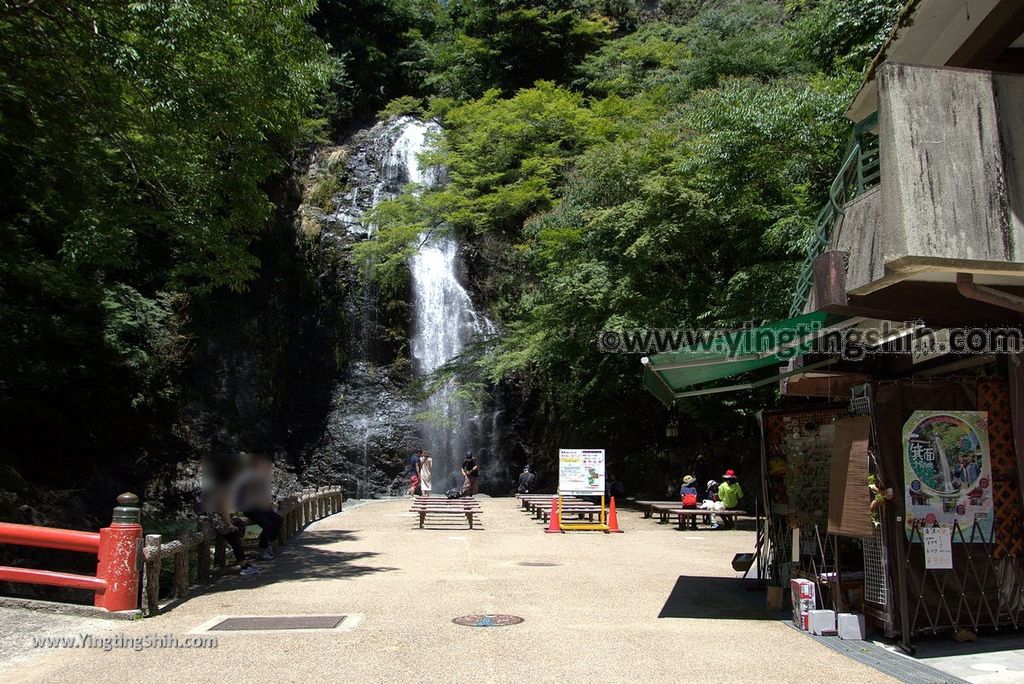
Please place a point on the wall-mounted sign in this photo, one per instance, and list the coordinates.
(930, 345)
(947, 473)
(581, 472)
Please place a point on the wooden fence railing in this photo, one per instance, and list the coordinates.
(298, 511)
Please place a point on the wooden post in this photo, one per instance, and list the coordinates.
(282, 534)
(220, 552)
(203, 557)
(151, 576)
(181, 571)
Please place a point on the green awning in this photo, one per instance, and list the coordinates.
(671, 375)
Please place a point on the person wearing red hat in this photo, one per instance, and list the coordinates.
(729, 493)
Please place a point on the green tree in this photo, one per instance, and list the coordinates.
(139, 143)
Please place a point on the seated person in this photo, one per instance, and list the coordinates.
(729, 493)
(688, 493)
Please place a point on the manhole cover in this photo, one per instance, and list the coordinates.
(487, 620)
(539, 564)
(274, 622)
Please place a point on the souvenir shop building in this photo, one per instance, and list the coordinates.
(900, 360)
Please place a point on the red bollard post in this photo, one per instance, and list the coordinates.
(119, 558)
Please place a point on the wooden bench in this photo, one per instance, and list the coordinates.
(534, 504)
(437, 507)
(527, 501)
(536, 507)
(687, 517)
(543, 511)
(648, 506)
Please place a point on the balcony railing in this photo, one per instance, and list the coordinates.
(858, 173)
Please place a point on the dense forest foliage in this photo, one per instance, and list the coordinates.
(668, 178)
(612, 164)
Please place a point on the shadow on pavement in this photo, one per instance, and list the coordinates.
(311, 564)
(308, 558)
(942, 646)
(314, 537)
(715, 598)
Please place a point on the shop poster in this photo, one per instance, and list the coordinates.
(581, 472)
(947, 473)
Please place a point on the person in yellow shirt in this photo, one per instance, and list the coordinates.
(729, 493)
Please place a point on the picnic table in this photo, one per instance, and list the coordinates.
(687, 517)
(444, 508)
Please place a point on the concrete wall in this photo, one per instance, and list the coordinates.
(859, 233)
(952, 171)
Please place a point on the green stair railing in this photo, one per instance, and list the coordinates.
(859, 172)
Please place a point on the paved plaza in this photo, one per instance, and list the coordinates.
(654, 604)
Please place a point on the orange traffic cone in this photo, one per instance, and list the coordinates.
(554, 524)
(613, 518)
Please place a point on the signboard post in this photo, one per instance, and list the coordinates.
(581, 473)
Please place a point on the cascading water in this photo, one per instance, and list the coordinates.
(444, 323)
(372, 426)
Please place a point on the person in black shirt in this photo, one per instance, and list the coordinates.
(413, 471)
(471, 471)
(526, 480)
(700, 474)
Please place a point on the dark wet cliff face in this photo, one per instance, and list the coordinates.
(374, 422)
(368, 428)
(314, 364)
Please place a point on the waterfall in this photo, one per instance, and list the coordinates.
(444, 323)
(373, 422)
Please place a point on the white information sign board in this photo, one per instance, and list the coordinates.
(938, 548)
(581, 472)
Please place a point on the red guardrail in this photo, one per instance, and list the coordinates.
(118, 551)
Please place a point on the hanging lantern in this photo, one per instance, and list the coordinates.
(672, 428)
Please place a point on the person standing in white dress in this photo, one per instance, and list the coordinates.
(426, 465)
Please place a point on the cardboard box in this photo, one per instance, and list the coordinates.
(802, 593)
(821, 621)
(851, 626)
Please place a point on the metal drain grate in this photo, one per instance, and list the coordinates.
(276, 622)
(539, 564)
(487, 620)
